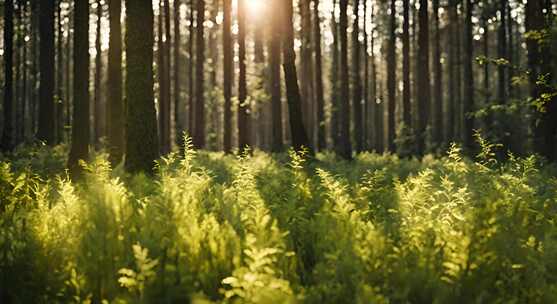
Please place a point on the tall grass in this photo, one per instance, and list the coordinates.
(265, 228)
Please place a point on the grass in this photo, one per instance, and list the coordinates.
(212, 228)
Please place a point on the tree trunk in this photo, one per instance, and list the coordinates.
(357, 81)
(115, 106)
(178, 121)
(141, 137)
(406, 88)
(391, 81)
(98, 107)
(191, 64)
(319, 95)
(300, 139)
(423, 85)
(199, 129)
(344, 149)
(80, 129)
(166, 141)
(274, 73)
(335, 101)
(227, 74)
(437, 111)
(468, 101)
(8, 129)
(243, 104)
(306, 67)
(539, 62)
(46, 127)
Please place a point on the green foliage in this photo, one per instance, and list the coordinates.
(214, 228)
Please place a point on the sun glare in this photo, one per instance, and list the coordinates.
(255, 7)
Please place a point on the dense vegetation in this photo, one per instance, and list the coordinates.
(211, 227)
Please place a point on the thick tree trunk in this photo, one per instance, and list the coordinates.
(141, 135)
(115, 105)
(300, 139)
(46, 127)
(344, 148)
(80, 129)
(7, 143)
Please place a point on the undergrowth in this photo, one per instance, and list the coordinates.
(212, 228)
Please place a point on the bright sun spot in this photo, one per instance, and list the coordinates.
(255, 7)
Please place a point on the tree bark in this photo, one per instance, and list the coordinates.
(115, 105)
(178, 121)
(300, 139)
(468, 101)
(357, 81)
(8, 128)
(344, 148)
(243, 104)
(391, 81)
(46, 127)
(274, 71)
(141, 121)
(437, 111)
(228, 53)
(406, 88)
(423, 85)
(98, 106)
(79, 150)
(199, 129)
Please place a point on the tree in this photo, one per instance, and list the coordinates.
(178, 123)
(344, 148)
(163, 77)
(98, 107)
(423, 77)
(357, 81)
(8, 130)
(539, 62)
(227, 74)
(79, 150)
(335, 100)
(300, 139)
(437, 109)
(468, 101)
(46, 127)
(115, 105)
(243, 103)
(391, 80)
(274, 74)
(319, 95)
(406, 89)
(141, 122)
(199, 127)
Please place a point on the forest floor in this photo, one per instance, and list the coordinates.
(267, 228)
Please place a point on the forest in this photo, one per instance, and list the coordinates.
(278, 151)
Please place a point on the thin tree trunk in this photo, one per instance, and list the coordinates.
(178, 122)
(98, 108)
(243, 104)
(8, 130)
(191, 76)
(199, 130)
(166, 141)
(59, 76)
(468, 102)
(423, 86)
(437, 111)
(319, 95)
(344, 149)
(357, 81)
(391, 80)
(406, 87)
(227, 74)
(274, 71)
(335, 107)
